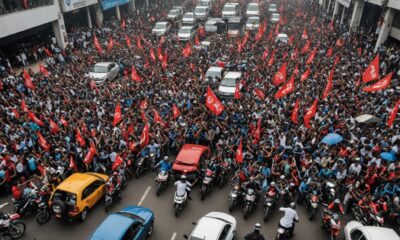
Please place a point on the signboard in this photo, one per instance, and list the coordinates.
(345, 3)
(107, 4)
(70, 5)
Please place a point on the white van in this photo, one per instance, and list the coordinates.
(228, 84)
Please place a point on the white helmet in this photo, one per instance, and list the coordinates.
(272, 184)
(282, 177)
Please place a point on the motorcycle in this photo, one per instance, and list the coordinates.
(11, 226)
(283, 233)
(153, 161)
(270, 200)
(370, 218)
(142, 166)
(26, 204)
(235, 197)
(44, 215)
(162, 181)
(331, 223)
(179, 202)
(286, 195)
(312, 201)
(223, 176)
(330, 192)
(249, 202)
(110, 195)
(207, 184)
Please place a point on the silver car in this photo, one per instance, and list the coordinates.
(103, 72)
(189, 19)
(161, 28)
(252, 23)
(253, 9)
(201, 12)
(275, 17)
(186, 33)
(174, 14)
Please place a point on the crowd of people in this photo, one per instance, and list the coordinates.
(54, 125)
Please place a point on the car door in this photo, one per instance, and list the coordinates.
(226, 233)
(114, 70)
(87, 196)
(98, 190)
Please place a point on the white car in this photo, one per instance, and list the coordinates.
(186, 33)
(230, 10)
(253, 9)
(252, 23)
(201, 12)
(207, 3)
(272, 8)
(356, 231)
(104, 71)
(214, 226)
(283, 37)
(274, 17)
(213, 24)
(227, 86)
(189, 19)
(214, 73)
(174, 14)
(161, 28)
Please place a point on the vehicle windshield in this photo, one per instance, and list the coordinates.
(203, 3)
(275, 15)
(100, 69)
(213, 74)
(199, 10)
(174, 12)
(160, 25)
(65, 197)
(229, 8)
(132, 216)
(188, 15)
(185, 30)
(228, 82)
(184, 163)
(253, 20)
(252, 7)
(210, 24)
(233, 26)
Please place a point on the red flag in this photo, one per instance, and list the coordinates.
(23, 105)
(237, 91)
(63, 121)
(43, 70)
(305, 34)
(128, 41)
(372, 71)
(330, 25)
(144, 138)
(393, 114)
(239, 152)
(79, 138)
(340, 42)
(118, 161)
(143, 116)
(161, 41)
(257, 132)
(187, 51)
(33, 117)
(295, 112)
(312, 56)
(379, 85)
(329, 53)
(164, 63)
(213, 103)
(337, 60)
(306, 47)
(265, 54)
(117, 115)
(123, 24)
(329, 85)
(54, 127)
(110, 44)
(28, 81)
(89, 156)
(201, 31)
(271, 59)
(239, 46)
(16, 113)
(143, 104)
(48, 53)
(42, 142)
(139, 43)
(97, 44)
(286, 88)
(260, 94)
(294, 54)
(280, 76)
(310, 113)
(135, 76)
(196, 40)
(175, 111)
(305, 75)
(72, 164)
(359, 50)
(245, 38)
(291, 39)
(152, 55)
(157, 118)
(160, 54)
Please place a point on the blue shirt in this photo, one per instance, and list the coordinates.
(32, 164)
(165, 166)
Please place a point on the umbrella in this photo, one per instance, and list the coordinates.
(388, 156)
(332, 138)
(367, 118)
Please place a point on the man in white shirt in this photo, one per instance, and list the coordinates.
(287, 221)
(183, 186)
(355, 168)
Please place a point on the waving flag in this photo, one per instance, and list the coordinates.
(381, 84)
(144, 137)
(48, 53)
(372, 71)
(306, 47)
(97, 44)
(280, 76)
(213, 103)
(79, 137)
(304, 36)
(329, 85)
(43, 70)
(118, 161)
(265, 54)
(237, 91)
(259, 93)
(239, 152)
(117, 115)
(157, 118)
(128, 41)
(295, 112)
(305, 75)
(143, 116)
(393, 114)
(28, 81)
(312, 56)
(160, 54)
(187, 51)
(286, 88)
(110, 45)
(42, 142)
(16, 113)
(35, 119)
(196, 40)
(329, 53)
(310, 113)
(294, 54)
(54, 127)
(271, 59)
(257, 132)
(143, 104)
(164, 63)
(72, 164)
(152, 55)
(63, 121)
(175, 111)
(135, 76)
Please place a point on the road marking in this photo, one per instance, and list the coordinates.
(144, 195)
(173, 236)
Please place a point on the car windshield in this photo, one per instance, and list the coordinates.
(184, 163)
(252, 8)
(188, 15)
(228, 82)
(210, 24)
(203, 3)
(195, 238)
(253, 21)
(100, 69)
(185, 30)
(213, 74)
(229, 8)
(233, 26)
(160, 25)
(199, 10)
(275, 15)
(132, 216)
(66, 197)
(174, 12)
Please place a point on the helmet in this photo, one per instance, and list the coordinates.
(183, 178)
(272, 184)
(257, 226)
(292, 205)
(282, 177)
(166, 158)
(115, 173)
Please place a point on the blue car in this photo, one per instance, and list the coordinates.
(131, 223)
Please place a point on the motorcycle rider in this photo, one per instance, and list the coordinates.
(182, 186)
(255, 235)
(252, 184)
(164, 165)
(115, 182)
(287, 221)
(336, 206)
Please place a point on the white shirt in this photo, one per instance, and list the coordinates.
(181, 187)
(355, 169)
(290, 215)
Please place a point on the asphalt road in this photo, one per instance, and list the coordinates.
(142, 192)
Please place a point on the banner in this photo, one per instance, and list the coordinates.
(107, 4)
(70, 5)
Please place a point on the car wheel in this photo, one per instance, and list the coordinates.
(150, 232)
(84, 214)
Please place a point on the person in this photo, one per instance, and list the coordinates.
(115, 182)
(183, 186)
(287, 221)
(255, 235)
(164, 165)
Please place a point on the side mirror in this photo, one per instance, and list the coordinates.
(185, 236)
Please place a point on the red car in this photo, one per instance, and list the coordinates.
(190, 160)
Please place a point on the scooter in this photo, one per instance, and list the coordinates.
(162, 181)
(235, 197)
(153, 161)
(142, 165)
(283, 233)
(270, 200)
(208, 182)
(249, 202)
(330, 221)
(312, 201)
(179, 202)
(110, 195)
(12, 227)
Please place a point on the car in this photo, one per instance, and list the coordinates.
(78, 193)
(174, 14)
(227, 86)
(356, 231)
(190, 160)
(214, 72)
(215, 25)
(214, 226)
(235, 27)
(133, 223)
(186, 33)
(201, 12)
(207, 3)
(274, 17)
(189, 19)
(230, 10)
(283, 37)
(104, 71)
(272, 8)
(252, 23)
(161, 28)
(253, 9)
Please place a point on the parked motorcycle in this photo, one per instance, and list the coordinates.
(207, 184)
(11, 227)
(312, 201)
(179, 203)
(110, 195)
(235, 197)
(162, 181)
(142, 165)
(330, 221)
(249, 202)
(270, 200)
